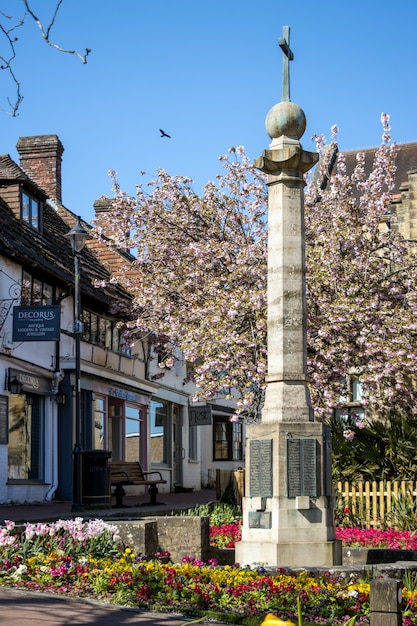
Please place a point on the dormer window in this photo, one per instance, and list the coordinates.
(30, 210)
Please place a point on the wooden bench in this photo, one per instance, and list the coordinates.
(123, 473)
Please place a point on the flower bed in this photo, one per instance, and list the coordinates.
(86, 559)
(190, 587)
(375, 538)
(225, 535)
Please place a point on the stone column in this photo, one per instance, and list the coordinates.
(288, 503)
(287, 398)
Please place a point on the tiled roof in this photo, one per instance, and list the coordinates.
(50, 252)
(10, 171)
(406, 161)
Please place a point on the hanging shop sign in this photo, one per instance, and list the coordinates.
(200, 415)
(36, 323)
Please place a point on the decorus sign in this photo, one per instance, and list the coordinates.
(36, 323)
(30, 383)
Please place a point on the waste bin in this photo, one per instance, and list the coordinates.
(96, 478)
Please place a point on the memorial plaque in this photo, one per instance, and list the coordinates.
(327, 462)
(260, 519)
(301, 467)
(260, 468)
(4, 422)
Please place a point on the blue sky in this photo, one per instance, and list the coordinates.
(207, 73)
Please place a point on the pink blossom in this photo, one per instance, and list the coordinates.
(349, 434)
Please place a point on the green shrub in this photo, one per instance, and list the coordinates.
(219, 513)
(403, 514)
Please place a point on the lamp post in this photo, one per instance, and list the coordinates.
(77, 236)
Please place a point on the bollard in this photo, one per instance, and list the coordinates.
(385, 602)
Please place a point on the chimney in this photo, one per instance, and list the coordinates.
(102, 206)
(109, 223)
(40, 158)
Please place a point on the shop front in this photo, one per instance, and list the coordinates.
(120, 423)
(28, 436)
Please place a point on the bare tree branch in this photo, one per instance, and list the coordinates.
(45, 34)
(7, 60)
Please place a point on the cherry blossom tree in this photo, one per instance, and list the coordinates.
(199, 279)
(200, 274)
(361, 288)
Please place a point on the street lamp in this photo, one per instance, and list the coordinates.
(77, 236)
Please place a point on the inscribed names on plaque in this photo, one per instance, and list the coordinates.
(260, 468)
(301, 467)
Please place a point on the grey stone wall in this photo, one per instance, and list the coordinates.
(141, 536)
(179, 535)
(184, 536)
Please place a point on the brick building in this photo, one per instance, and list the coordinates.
(125, 408)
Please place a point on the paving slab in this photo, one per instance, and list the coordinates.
(27, 608)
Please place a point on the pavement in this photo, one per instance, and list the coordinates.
(135, 506)
(26, 608)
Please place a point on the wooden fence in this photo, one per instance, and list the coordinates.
(373, 501)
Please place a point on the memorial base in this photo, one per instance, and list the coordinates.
(293, 554)
(288, 508)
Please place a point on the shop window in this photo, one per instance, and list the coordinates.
(227, 443)
(160, 432)
(132, 433)
(123, 432)
(192, 443)
(99, 433)
(26, 435)
(115, 430)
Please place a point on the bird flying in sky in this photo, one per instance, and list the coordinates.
(164, 134)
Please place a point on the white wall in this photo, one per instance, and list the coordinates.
(35, 357)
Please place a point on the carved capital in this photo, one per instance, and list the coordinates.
(291, 158)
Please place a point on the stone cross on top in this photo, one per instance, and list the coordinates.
(284, 44)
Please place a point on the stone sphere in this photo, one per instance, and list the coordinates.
(285, 118)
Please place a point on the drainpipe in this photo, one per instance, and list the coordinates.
(54, 461)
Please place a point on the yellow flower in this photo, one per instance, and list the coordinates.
(272, 620)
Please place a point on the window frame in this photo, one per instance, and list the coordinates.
(192, 442)
(102, 331)
(233, 441)
(32, 440)
(165, 432)
(351, 400)
(35, 291)
(27, 214)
